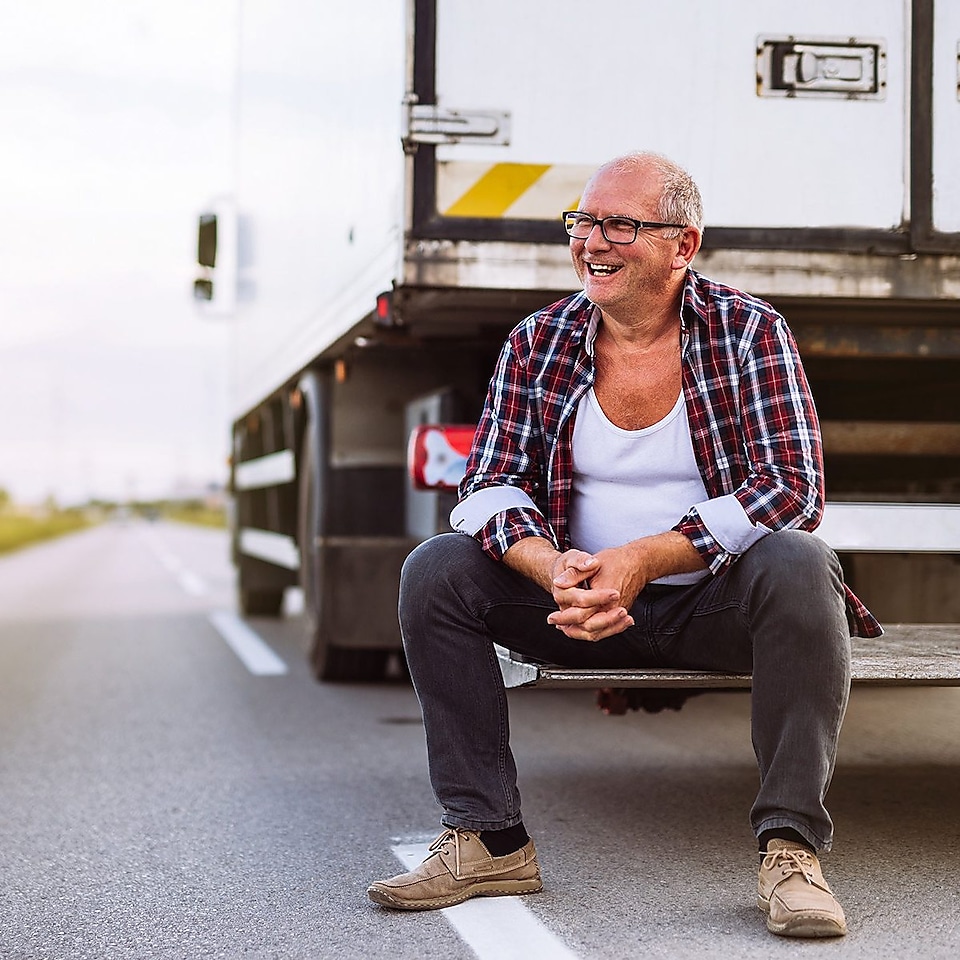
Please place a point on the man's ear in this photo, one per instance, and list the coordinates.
(687, 246)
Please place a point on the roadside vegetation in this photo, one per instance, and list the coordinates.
(196, 512)
(202, 513)
(20, 526)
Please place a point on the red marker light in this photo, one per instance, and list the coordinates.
(384, 309)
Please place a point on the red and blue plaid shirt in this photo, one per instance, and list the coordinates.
(753, 425)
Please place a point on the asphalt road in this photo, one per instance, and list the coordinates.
(159, 800)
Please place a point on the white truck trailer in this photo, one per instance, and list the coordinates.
(400, 172)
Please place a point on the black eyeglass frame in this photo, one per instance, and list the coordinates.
(638, 225)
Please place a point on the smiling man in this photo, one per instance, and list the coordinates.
(640, 493)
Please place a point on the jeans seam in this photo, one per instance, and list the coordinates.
(510, 602)
(662, 650)
(502, 708)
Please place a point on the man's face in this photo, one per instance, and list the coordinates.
(621, 277)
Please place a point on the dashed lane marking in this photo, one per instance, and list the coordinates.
(494, 928)
(255, 655)
(189, 581)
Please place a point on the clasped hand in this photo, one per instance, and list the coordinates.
(594, 593)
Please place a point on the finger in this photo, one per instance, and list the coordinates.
(578, 566)
(570, 616)
(585, 597)
(594, 632)
(589, 618)
(607, 622)
(579, 559)
(579, 608)
(571, 576)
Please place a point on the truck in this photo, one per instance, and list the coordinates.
(400, 167)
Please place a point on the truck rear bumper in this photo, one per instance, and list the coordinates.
(907, 654)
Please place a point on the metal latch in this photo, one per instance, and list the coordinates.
(850, 68)
(430, 123)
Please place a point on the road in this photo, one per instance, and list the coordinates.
(160, 800)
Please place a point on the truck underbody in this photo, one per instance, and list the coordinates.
(884, 375)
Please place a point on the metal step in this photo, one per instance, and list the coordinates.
(907, 654)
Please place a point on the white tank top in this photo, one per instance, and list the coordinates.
(629, 484)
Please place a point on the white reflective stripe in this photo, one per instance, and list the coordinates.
(473, 512)
(275, 548)
(266, 471)
(729, 524)
(867, 527)
(557, 190)
(521, 190)
(897, 527)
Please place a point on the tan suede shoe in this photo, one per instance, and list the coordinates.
(458, 867)
(792, 892)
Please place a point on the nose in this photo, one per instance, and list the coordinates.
(596, 240)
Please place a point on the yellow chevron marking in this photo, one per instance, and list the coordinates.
(497, 190)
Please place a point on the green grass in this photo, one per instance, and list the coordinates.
(20, 530)
(201, 516)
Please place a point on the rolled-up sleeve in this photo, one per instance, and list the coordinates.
(729, 524)
(499, 517)
(477, 509)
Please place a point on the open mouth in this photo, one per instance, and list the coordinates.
(602, 269)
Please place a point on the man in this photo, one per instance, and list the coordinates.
(640, 492)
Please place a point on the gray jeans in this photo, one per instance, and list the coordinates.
(778, 612)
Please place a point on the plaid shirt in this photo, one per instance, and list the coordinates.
(753, 426)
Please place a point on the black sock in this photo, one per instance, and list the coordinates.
(783, 833)
(502, 842)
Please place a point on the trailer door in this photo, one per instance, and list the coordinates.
(946, 117)
(790, 116)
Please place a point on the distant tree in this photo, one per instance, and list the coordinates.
(5, 499)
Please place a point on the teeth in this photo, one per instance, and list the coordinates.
(604, 269)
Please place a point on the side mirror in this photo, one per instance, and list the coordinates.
(215, 279)
(202, 289)
(207, 241)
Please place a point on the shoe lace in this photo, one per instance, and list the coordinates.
(792, 861)
(449, 835)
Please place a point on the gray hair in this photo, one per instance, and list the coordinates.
(680, 200)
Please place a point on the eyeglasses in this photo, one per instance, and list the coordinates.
(614, 229)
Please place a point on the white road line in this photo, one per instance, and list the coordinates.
(169, 561)
(256, 656)
(188, 580)
(191, 583)
(494, 928)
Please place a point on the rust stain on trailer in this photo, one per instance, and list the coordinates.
(865, 437)
(838, 340)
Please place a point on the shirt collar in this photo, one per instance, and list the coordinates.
(692, 303)
(593, 325)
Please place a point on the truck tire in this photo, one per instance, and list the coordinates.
(260, 603)
(346, 664)
(330, 662)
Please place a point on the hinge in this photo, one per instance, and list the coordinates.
(430, 123)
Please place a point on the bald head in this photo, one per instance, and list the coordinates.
(679, 197)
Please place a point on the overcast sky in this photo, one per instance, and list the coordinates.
(114, 116)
